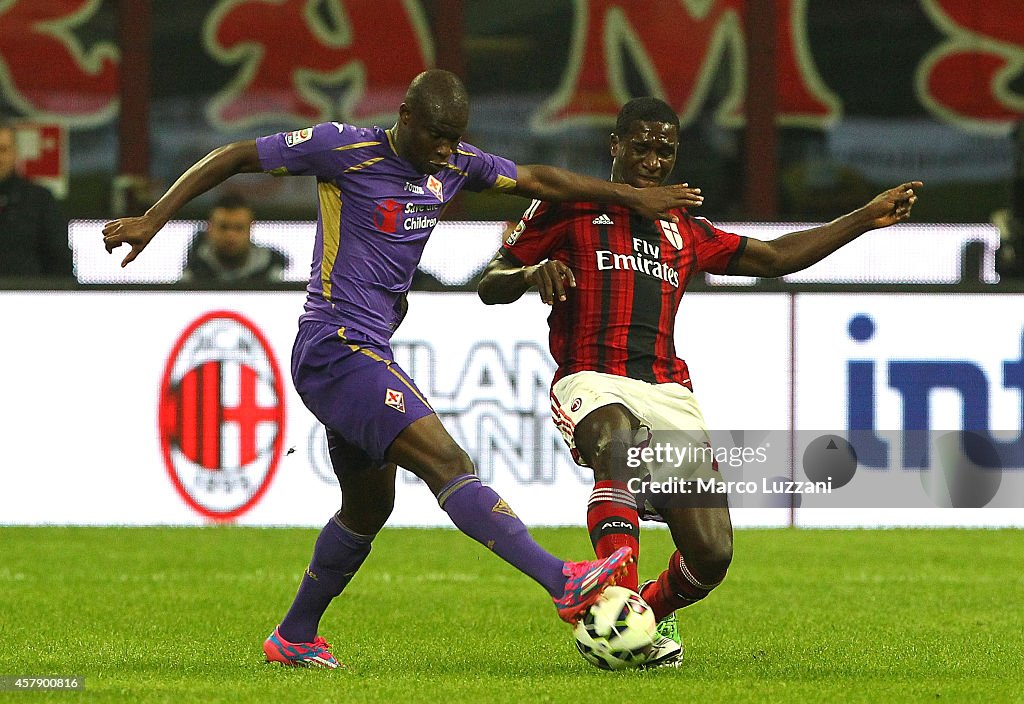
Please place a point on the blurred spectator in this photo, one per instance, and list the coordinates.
(814, 189)
(1010, 221)
(33, 231)
(224, 252)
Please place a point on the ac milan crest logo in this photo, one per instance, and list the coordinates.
(222, 415)
(671, 231)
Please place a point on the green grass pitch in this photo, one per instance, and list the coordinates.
(177, 615)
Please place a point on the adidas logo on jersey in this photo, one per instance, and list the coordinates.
(602, 219)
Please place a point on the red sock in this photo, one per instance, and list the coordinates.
(675, 588)
(613, 522)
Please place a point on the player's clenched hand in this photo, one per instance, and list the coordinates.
(894, 205)
(551, 279)
(656, 202)
(136, 232)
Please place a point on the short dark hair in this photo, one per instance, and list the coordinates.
(645, 110)
(435, 92)
(232, 201)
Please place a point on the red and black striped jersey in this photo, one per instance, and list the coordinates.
(630, 276)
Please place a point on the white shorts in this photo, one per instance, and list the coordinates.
(668, 413)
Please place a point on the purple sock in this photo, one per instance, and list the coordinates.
(337, 555)
(480, 513)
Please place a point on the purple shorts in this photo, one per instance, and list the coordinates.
(354, 388)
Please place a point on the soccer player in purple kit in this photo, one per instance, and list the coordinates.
(615, 282)
(380, 195)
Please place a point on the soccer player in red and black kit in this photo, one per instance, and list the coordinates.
(615, 281)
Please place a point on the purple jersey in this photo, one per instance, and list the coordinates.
(375, 215)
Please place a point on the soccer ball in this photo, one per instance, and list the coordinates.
(617, 632)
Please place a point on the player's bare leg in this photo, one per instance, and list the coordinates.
(702, 533)
(701, 528)
(427, 450)
(703, 537)
(603, 437)
(367, 498)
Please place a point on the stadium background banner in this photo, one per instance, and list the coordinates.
(176, 408)
(547, 78)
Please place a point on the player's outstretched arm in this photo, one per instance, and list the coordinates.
(211, 170)
(505, 281)
(551, 183)
(799, 250)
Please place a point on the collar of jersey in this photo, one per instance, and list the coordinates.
(391, 140)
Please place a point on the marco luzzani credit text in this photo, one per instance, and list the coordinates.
(682, 458)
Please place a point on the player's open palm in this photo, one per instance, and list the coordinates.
(894, 205)
(135, 232)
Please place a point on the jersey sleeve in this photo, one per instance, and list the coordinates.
(717, 250)
(486, 171)
(312, 151)
(537, 236)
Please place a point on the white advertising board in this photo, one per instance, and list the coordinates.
(103, 391)
(453, 254)
(902, 376)
(177, 408)
(907, 253)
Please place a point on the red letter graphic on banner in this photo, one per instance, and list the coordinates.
(966, 79)
(44, 70)
(294, 53)
(678, 46)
